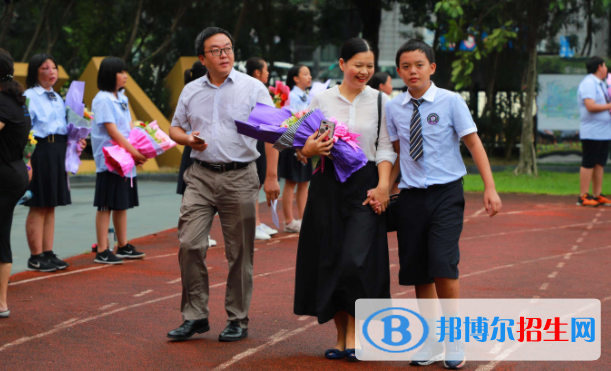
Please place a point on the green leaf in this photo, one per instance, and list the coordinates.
(438, 5)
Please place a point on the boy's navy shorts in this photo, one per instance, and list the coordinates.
(430, 224)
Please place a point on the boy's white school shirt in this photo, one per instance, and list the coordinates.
(445, 118)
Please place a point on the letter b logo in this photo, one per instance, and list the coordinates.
(401, 328)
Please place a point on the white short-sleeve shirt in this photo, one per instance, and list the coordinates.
(445, 118)
(593, 126)
(48, 115)
(212, 110)
(108, 109)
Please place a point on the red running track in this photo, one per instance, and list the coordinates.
(94, 317)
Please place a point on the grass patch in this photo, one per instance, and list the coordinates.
(549, 183)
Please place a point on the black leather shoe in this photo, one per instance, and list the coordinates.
(190, 328)
(233, 332)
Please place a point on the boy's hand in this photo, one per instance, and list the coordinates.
(492, 202)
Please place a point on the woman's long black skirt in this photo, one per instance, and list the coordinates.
(343, 247)
(49, 183)
(185, 162)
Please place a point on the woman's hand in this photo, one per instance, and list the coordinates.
(318, 146)
(196, 143)
(83, 144)
(29, 170)
(378, 198)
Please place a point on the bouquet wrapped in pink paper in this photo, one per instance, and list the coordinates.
(285, 130)
(148, 139)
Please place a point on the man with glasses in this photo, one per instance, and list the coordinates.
(594, 132)
(222, 179)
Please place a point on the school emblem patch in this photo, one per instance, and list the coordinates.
(432, 119)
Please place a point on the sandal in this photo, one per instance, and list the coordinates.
(351, 355)
(335, 353)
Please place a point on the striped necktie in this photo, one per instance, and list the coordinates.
(416, 150)
(51, 95)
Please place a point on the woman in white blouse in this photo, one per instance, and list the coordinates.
(343, 248)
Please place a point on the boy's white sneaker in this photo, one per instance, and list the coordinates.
(211, 242)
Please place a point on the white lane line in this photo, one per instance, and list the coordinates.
(175, 281)
(560, 265)
(589, 226)
(66, 322)
(496, 348)
(478, 212)
(553, 274)
(26, 339)
(161, 256)
(278, 334)
(598, 215)
(585, 233)
(575, 247)
(490, 366)
(107, 306)
(533, 230)
(544, 286)
(567, 256)
(275, 339)
(580, 240)
(303, 318)
(58, 275)
(273, 242)
(595, 220)
(535, 299)
(143, 293)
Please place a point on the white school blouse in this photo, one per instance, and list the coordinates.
(361, 117)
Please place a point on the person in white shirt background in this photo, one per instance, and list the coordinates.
(257, 67)
(595, 132)
(49, 185)
(292, 166)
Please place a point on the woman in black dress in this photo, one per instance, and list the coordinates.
(343, 248)
(15, 127)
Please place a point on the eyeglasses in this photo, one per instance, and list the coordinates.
(217, 52)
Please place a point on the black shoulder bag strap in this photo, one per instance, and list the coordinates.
(379, 117)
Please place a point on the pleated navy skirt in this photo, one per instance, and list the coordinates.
(342, 254)
(292, 169)
(49, 183)
(114, 192)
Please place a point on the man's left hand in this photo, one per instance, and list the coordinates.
(272, 189)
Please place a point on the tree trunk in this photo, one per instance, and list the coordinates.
(60, 28)
(166, 42)
(132, 38)
(240, 21)
(371, 16)
(528, 162)
(41, 22)
(6, 20)
(588, 41)
(490, 89)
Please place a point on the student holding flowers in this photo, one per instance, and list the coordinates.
(49, 183)
(343, 249)
(292, 166)
(114, 194)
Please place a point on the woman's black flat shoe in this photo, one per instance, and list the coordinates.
(351, 355)
(335, 353)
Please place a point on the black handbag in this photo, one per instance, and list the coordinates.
(392, 211)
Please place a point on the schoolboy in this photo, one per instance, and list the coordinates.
(425, 125)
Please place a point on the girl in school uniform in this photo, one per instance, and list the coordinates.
(292, 166)
(342, 254)
(257, 67)
(49, 183)
(114, 194)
